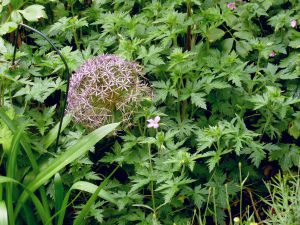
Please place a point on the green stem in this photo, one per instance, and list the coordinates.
(228, 205)
(151, 181)
(76, 38)
(241, 188)
(215, 206)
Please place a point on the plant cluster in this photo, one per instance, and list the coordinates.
(224, 117)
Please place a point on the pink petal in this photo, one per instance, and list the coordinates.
(157, 119)
(150, 121)
(150, 125)
(156, 125)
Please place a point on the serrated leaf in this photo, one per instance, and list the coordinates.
(33, 13)
(214, 34)
(198, 100)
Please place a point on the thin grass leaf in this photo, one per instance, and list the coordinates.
(28, 215)
(70, 155)
(87, 187)
(51, 136)
(25, 142)
(58, 193)
(38, 205)
(11, 171)
(3, 213)
(85, 210)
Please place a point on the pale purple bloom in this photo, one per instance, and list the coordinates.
(231, 6)
(293, 23)
(153, 122)
(272, 54)
(104, 89)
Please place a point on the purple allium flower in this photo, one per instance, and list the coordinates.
(231, 5)
(104, 89)
(272, 54)
(293, 23)
(153, 122)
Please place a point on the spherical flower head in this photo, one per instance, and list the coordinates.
(272, 54)
(231, 5)
(153, 122)
(293, 23)
(106, 89)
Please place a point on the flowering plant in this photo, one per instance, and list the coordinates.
(105, 89)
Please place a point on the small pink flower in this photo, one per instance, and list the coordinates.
(272, 54)
(153, 122)
(293, 23)
(231, 6)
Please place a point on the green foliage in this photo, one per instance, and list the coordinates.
(225, 85)
(284, 199)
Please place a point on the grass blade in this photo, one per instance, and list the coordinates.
(25, 142)
(91, 188)
(87, 187)
(3, 214)
(70, 155)
(28, 215)
(11, 171)
(85, 210)
(51, 136)
(38, 205)
(58, 193)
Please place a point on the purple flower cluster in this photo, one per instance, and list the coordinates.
(105, 88)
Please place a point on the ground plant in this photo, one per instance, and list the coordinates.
(179, 112)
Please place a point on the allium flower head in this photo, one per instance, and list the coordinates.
(104, 89)
(293, 23)
(153, 122)
(231, 5)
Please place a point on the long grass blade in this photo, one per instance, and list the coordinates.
(51, 136)
(87, 187)
(28, 215)
(25, 142)
(3, 213)
(38, 205)
(11, 170)
(58, 193)
(70, 155)
(85, 210)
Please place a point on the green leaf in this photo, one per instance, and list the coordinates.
(3, 213)
(33, 13)
(8, 27)
(59, 193)
(87, 187)
(198, 100)
(38, 205)
(11, 171)
(244, 35)
(227, 45)
(16, 17)
(214, 34)
(52, 134)
(243, 48)
(40, 89)
(69, 155)
(80, 218)
(295, 43)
